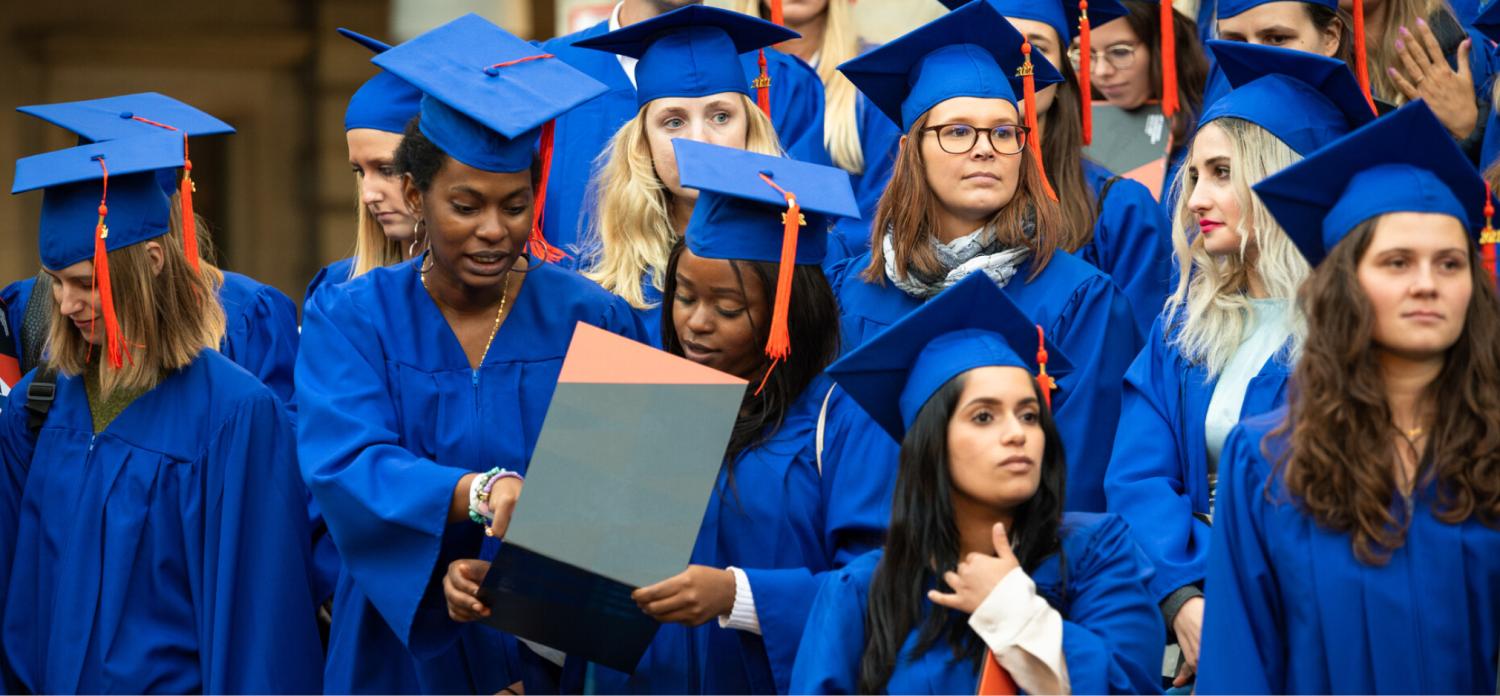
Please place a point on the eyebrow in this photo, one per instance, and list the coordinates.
(715, 290)
(992, 401)
(1274, 27)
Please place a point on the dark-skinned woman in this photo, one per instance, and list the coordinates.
(424, 384)
(981, 572)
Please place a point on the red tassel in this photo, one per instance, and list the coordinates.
(1033, 136)
(1169, 103)
(762, 86)
(779, 345)
(1489, 237)
(1361, 69)
(1043, 380)
(1085, 68)
(777, 17)
(114, 340)
(538, 241)
(995, 680)
(189, 222)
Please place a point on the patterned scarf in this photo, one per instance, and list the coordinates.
(976, 251)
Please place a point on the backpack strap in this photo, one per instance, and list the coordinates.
(36, 323)
(39, 398)
(1103, 192)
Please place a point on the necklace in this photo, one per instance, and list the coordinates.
(504, 292)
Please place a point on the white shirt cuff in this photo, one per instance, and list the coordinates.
(1025, 634)
(743, 616)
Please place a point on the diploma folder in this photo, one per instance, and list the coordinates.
(614, 496)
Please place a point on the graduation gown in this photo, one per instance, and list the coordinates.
(1290, 609)
(390, 417)
(167, 553)
(1132, 243)
(787, 525)
(1083, 314)
(1158, 472)
(880, 140)
(582, 135)
(1112, 632)
(334, 273)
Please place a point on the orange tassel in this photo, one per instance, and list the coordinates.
(995, 680)
(1043, 380)
(1489, 237)
(189, 222)
(777, 17)
(1361, 69)
(1169, 103)
(779, 345)
(114, 340)
(762, 86)
(1085, 67)
(538, 241)
(1033, 136)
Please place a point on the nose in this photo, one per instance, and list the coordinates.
(1099, 66)
(984, 149)
(1012, 432)
(71, 301)
(369, 193)
(700, 320)
(1424, 284)
(1200, 202)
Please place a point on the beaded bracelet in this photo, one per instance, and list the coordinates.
(479, 494)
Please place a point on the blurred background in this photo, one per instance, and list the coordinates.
(279, 195)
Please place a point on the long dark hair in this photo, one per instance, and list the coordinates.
(1062, 154)
(1340, 461)
(923, 538)
(1192, 66)
(813, 325)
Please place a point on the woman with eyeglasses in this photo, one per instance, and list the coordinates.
(968, 196)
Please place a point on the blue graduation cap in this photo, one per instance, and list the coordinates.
(128, 115)
(970, 325)
(384, 102)
(969, 52)
(761, 208)
(692, 51)
(1231, 8)
(1304, 99)
(1403, 162)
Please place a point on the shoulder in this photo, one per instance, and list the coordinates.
(786, 61)
(223, 384)
(571, 287)
(1250, 442)
(856, 575)
(563, 47)
(1085, 530)
(1066, 273)
(17, 293)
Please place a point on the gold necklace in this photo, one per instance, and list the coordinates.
(504, 292)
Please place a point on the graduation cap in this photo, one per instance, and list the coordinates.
(1231, 8)
(488, 97)
(694, 51)
(761, 208)
(131, 115)
(969, 52)
(1488, 20)
(1068, 18)
(100, 197)
(1304, 99)
(384, 102)
(1403, 162)
(970, 325)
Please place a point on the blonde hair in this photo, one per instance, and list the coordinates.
(1383, 54)
(372, 249)
(631, 231)
(1210, 308)
(840, 98)
(167, 317)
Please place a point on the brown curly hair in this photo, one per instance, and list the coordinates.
(1340, 461)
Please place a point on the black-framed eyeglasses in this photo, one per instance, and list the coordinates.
(960, 138)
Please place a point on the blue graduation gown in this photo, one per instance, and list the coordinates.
(787, 525)
(167, 553)
(1112, 631)
(1132, 243)
(1083, 314)
(334, 273)
(1158, 473)
(1290, 610)
(583, 133)
(390, 417)
(880, 140)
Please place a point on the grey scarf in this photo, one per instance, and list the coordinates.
(976, 251)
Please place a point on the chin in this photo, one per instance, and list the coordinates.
(400, 233)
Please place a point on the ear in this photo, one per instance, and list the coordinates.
(412, 195)
(1332, 35)
(901, 144)
(157, 255)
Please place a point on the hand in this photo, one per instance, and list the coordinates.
(691, 597)
(976, 576)
(1426, 76)
(461, 589)
(1188, 625)
(503, 496)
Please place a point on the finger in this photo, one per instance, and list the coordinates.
(943, 599)
(1408, 41)
(1465, 72)
(1430, 44)
(651, 593)
(1180, 679)
(954, 580)
(662, 607)
(1415, 68)
(474, 569)
(1406, 87)
(1001, 539)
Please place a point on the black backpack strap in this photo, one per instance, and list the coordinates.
(1104, 192)
(35, 323)
(39, 398)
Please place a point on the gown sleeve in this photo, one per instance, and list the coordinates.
(1133, 238)
(1242, 632)
(16, 447)
(1113, 637)
(268, 343)
(387, 508)
(1144, 483)
(829, 657)
(257, 632)
(856, 494)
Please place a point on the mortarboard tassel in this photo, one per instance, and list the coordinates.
(185, 196)
(995, 680)
(537, 242)
(777, 17)
(1361, 69)
(1085, 68)
(114, 339)
(1043, 379)
(1033, 137)
(1169, 103)
(762, 85)
(779, 345)
(1489, 237)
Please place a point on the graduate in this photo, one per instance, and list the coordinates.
(1356, 547)
(690, 85)
(792, 95)
(373, 123)
(425, 383)
(981, 564)
(1112, 222)
(1224, 346)
(260, 321)
(153, 530)
(969, 196)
